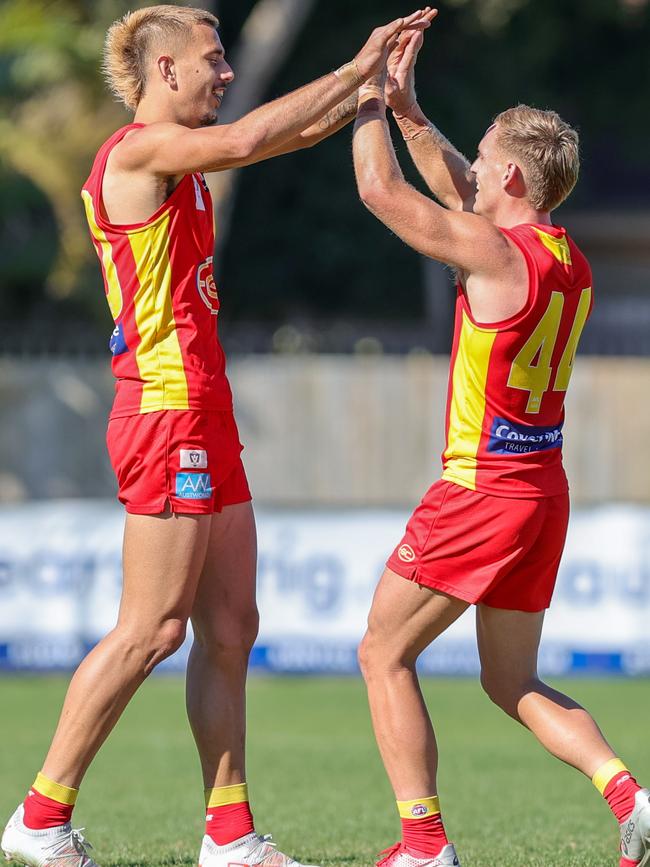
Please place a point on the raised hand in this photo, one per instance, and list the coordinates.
(374, 54)
(400, 83)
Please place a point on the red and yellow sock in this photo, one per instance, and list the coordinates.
(422, 827)
(48, 804)
(617, 785)
(229, 814)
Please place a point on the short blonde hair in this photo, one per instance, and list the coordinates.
(130, 40)
(546, 149)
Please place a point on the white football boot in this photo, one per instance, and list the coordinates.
(249, 851)
(399, 856)
(635, 832)
(53, 847)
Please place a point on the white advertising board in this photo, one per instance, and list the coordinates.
(60, 576)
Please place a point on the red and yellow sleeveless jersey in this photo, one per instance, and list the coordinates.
(507, 383)
(162, 295)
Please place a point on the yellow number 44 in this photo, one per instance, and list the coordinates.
(531, 370)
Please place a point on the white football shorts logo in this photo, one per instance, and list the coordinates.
(194, 459)
(406, 553)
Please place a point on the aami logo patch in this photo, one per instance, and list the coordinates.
(508, 438)
(193, 486)
(206, 286)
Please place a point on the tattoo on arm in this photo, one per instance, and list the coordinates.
(344, 110)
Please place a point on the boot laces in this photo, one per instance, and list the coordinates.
(69, 850)
(386, 855)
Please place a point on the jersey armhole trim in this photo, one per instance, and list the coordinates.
(130, 228)
(533, 286)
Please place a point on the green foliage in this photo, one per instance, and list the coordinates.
(301, 244)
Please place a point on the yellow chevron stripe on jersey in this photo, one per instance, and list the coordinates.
(114, 289)
(559, 247)
(158, 355)
(467, 407)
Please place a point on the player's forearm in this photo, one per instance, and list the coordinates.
(444, 169)
(331, 122)
(375, 164)
(297, 115)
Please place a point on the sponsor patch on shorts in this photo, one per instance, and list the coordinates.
(193, 486)
(507, 438)
(194, 459)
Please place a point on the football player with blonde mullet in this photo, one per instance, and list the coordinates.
(189, 540)
(490, 532)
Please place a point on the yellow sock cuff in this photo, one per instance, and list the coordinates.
(419, 808)
(605, 773)
(224, 795)
(55, 791)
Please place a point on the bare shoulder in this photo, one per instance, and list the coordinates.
(170, 149)
(499, 289)
(135, 150)
(134, 185)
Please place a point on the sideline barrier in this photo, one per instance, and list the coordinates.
(60, 584)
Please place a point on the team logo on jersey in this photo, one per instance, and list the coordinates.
(117, 343)
(194, 459)
(508, 438)
(206, 286)
(406, 553)
(193, 486)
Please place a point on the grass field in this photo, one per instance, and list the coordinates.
(315, 778)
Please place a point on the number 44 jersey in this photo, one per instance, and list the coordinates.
(507, 382)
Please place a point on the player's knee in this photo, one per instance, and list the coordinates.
(170, 636)
(148, 646)
(364, 656)
(380, 658)
(504, 693)
(231, 634)
(165, 640)
(493, 688)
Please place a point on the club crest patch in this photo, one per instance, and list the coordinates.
(194, 459)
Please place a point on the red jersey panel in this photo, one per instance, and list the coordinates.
(162, 295)
(507, 383)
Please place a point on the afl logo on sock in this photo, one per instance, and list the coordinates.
(407, 554)
(206, 286)
(419, 810)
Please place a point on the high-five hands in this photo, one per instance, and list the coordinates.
(383, 40)
(400, 82)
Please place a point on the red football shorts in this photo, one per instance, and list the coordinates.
(500, 551)
(186, 461)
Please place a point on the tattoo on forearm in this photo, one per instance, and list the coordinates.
(344, 110)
